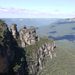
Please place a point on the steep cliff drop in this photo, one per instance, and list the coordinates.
(23, 52)
(11, 54)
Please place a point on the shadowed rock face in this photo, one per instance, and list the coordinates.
(28, 37)
(14, 59)
(11, 54)
(6, 49)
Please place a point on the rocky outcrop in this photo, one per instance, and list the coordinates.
(14, 31)
(46, 50)
(37, 59)
(27, 36)
(27, 58)
(6, 49)
(10, 53)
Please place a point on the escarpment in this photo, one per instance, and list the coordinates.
(6, 49)
(23, 52)
(11, 54)
(36, 54)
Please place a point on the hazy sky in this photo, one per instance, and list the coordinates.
(37, 8)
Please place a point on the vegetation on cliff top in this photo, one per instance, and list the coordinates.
(32, 49)
(18, 56)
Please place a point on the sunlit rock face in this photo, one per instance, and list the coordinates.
(14, 31)
(29, 57)
(27, 36)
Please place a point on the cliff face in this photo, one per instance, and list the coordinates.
(37, 54)
(6, 49)
(14, 31)
(27, 36)
(23, 53)
(11, 54)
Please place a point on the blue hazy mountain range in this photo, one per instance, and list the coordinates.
(30, 21)
(65, 21)
(37, 21)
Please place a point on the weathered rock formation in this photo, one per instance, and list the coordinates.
(36, 59)
(6, 51)
(14, 31)
(10, 53)
(29, 57)
(27, 36)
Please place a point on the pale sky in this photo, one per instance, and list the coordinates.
(37, 8)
